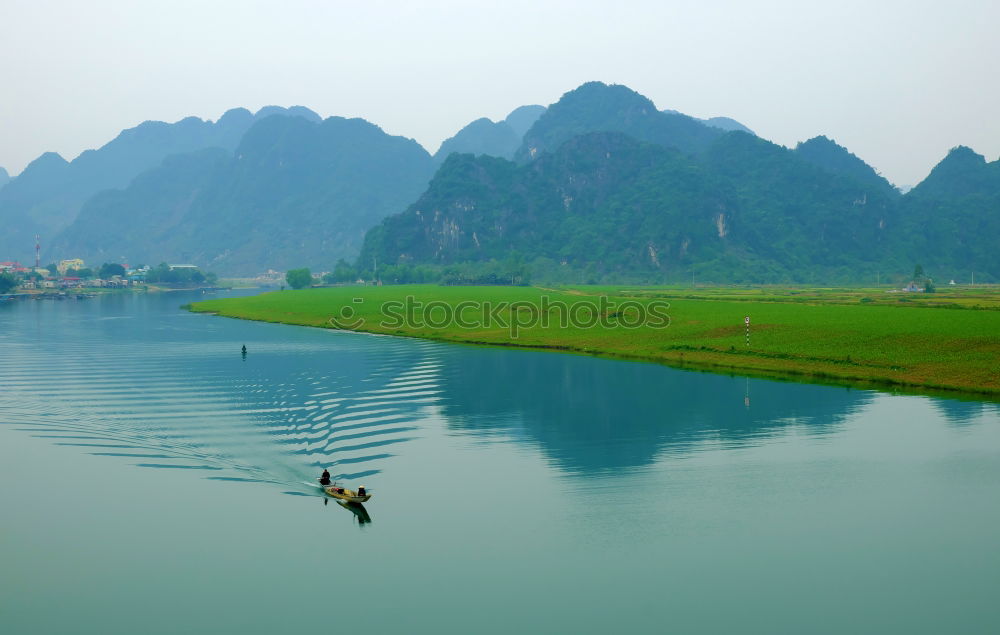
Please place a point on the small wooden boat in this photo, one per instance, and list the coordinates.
(348, 495)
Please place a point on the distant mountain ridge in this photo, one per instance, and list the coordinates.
(484, 136)
(607, 189)
(606, 206)
(723, 123)
(49, 192)
(599, 107)
(523, 117)
(295, 192)
(960, 173)
(951, 220)
(4, 177)
(601, 186)
(727, 124)
(836, 159)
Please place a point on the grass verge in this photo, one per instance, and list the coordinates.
(948, 342)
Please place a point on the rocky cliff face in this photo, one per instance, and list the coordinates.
(605, 204)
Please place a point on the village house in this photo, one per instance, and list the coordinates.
(66, 265)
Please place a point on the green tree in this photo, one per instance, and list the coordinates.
(158, 273)
(299, 278)
(110, 269)
(7, 282)
(53, 269)
(918, 273)
(342, 272)
(163, 274)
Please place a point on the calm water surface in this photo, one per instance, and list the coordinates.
(155, 481)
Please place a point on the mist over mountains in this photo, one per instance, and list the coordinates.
(295, 192)
(49, 193)
(605, 206)
(606, 188)
(597, 107)
(602, 185)
(498, 139)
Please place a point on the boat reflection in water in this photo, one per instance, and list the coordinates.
(357, 509)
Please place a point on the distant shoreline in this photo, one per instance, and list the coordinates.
(830, 336)
(102, 290)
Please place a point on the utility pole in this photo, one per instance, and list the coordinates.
(38, 248)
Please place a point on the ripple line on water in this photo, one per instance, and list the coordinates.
(178, 467)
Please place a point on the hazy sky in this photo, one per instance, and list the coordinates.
(897, 82)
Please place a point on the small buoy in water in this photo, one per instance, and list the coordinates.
(244, 349)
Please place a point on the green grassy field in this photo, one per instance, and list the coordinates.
(943, 341)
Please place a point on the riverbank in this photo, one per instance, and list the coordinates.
(948, 342)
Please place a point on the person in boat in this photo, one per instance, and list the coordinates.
(244, 349)
(325, 478)
(361, 491)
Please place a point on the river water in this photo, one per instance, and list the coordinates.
(156, 481)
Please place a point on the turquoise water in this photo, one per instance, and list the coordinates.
(154, 481)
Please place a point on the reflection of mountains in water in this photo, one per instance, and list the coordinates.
(595, 415)
(962, 413)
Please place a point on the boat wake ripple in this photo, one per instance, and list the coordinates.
(161, 398)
